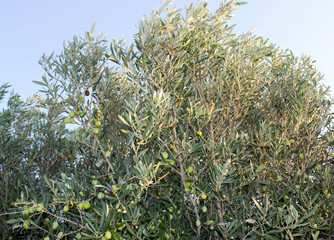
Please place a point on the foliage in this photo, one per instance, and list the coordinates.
(189, 132)
(32, 146)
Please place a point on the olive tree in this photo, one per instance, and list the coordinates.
(191, 131)
(33, 145)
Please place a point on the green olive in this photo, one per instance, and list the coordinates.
(164, 155)
(67, 120)
(108, 153)
(54, 225)
(26, 224)
(86, 205)
(171, 162)
(100, 195)
(190, 170)
(107, 235)
(98, 124)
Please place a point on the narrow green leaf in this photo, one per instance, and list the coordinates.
(274, 231)
(39, 83)
(130, 229)
(241, 3)
(303, 197)
(324, 228)
(11, 221)
(260, 168)
(294, 212)
(270, 237)
(92, 28)
(157, 168)
(250, 221)
(123, 120)
(17, 226)
(315, 198)
(310, 213)
(87, 235)
(164, 5)
(90, 225)
(257, 204)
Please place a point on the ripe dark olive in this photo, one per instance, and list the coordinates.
(87, 93)
(111, 190)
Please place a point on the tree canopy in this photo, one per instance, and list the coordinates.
(189, 132)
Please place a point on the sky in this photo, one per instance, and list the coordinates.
(31, 28)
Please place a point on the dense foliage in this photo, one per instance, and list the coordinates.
(191, 132)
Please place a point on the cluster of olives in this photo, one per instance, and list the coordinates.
(72, 114)
(165, 156)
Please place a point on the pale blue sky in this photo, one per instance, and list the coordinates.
(31, 28)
